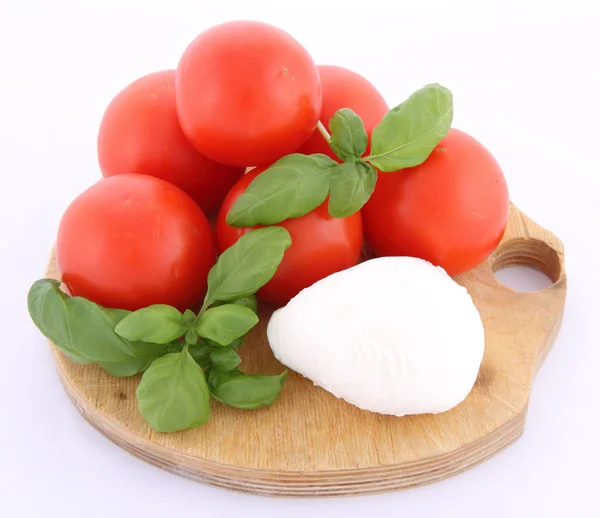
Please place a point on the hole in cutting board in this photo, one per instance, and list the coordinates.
(526, 265)
(523, 278)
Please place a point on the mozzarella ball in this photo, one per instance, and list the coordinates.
(393, 335)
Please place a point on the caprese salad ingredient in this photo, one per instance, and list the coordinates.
(133, 240)
(393, 335)
(321, 245)
(140, 133)
(247, 93)
(450, 210)
(185, 356)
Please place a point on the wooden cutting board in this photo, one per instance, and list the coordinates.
(309, 443)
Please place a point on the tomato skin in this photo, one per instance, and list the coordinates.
(130, 241)
(140, 134)
(247, 93)
(343, 88)
(451, 210)
(321, 245)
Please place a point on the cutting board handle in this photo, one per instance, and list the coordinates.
(527, 243)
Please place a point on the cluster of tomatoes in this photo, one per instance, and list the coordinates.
(177, 148)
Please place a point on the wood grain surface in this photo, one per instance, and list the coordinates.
(311, 444)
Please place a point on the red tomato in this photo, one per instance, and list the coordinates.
(451, 210)
(343, 88)
(247, 93)
(140, 133)
(321, 245)
(133, 240)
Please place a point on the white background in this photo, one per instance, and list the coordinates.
(525, 80)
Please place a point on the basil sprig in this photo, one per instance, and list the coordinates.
(297, 184)
(173, 349)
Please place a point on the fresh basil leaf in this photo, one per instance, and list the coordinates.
(175, 347)
(409, 132)
(290, 188)
(189, 317)
(249, 302)
(352, 184)
(47, 306)
(124, 369)
(225, 359)
(348, 135)
(84, 331)
(74, 357)
(247, 265)
(201, 353)
(159, 324)
(246, 391)
(191, 336)
(237, 343)
(173, 394)
(224, 324)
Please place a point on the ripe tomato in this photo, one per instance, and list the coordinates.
(343, 88)
(140, 133)
(451, 210)
(131, 240)
(321, 245)
(247, 93)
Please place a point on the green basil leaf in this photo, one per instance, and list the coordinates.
(77, 358)
(47, 306)
(84, 331)
(159, 324)
(225, 359)
(224, 324)
(237, 343)
(249, 302)
(124, 369)
(246, 391)
(290, 188)
(201, 353)
(189, 317)
(248, 264)
(191, 336)
(409, 132)
(348, 135)
(173, 394)
(352, 184)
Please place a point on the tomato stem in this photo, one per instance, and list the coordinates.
(324, 133)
